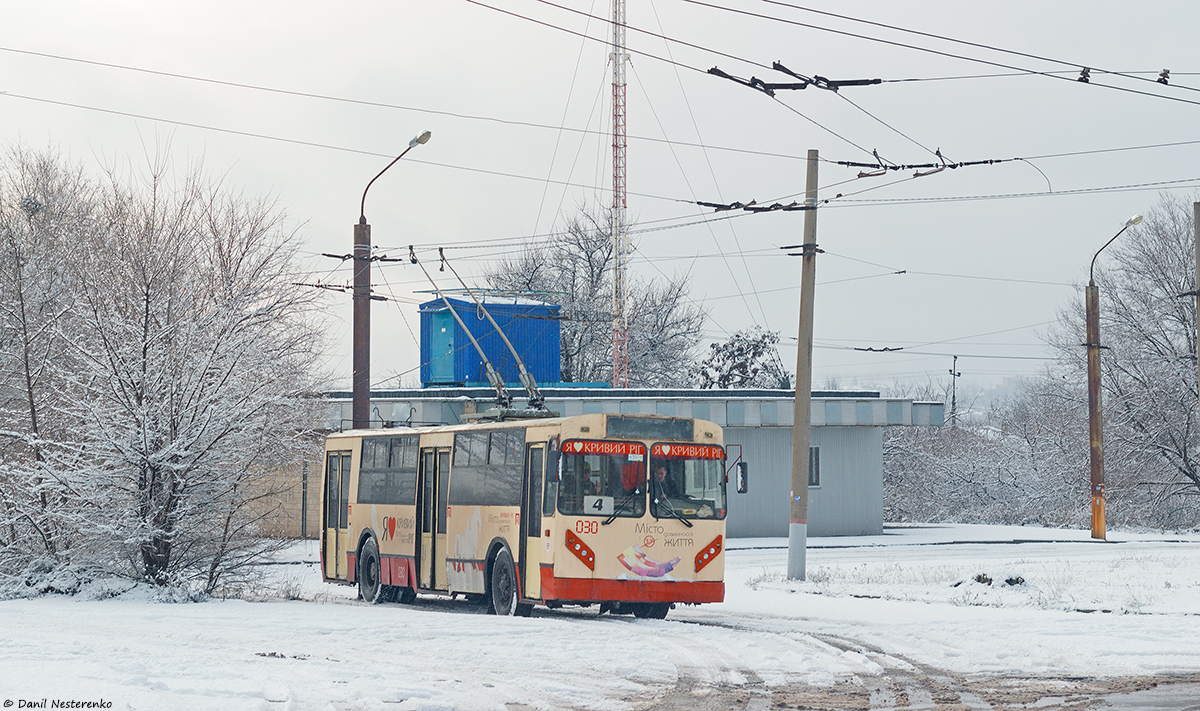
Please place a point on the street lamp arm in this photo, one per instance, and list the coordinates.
(362, 208)
(1091, 279)
(1128, 223)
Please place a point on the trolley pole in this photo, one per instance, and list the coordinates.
(801, 435)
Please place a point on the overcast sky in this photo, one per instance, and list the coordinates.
(483, 179)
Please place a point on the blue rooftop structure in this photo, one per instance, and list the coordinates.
(448, 358)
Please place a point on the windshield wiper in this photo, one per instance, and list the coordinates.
(670, 510)
(621, 506)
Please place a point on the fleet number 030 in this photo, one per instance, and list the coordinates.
(587, 526)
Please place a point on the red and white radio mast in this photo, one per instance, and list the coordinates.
(620, 239)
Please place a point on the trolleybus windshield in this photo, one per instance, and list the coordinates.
(687, 481)
(603, 478)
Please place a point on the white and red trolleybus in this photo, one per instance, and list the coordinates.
(624, 511)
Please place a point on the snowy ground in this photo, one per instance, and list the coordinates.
(914, 601)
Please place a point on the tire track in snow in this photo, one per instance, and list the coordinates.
(889, 682)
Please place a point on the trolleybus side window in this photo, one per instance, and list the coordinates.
(443, 467)
(687, 481)
(428, 469)
(344, 513)
(603, 478)
(537, 457)
(388, 470)
(488, 467)
(551, 478)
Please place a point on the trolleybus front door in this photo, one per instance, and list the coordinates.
(433, 478)
(531, 521)
(337, 503)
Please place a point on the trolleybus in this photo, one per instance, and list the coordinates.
(625, 511)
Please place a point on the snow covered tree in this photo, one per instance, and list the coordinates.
(172, 371)
(44, 206)
(1148, 368)
(747, 359)
(196, 357)
(574, 269)
(1028, 459)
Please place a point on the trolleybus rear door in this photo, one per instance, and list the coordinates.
(337, 513)
(426, 526)
(432, 480)
(531, 521)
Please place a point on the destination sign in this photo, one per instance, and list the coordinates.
(688, 451)
(593, 447)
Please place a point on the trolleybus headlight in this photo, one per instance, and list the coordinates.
(709, 553)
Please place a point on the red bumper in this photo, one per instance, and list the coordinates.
(587, 590)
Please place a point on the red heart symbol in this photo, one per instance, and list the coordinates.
(391, 528)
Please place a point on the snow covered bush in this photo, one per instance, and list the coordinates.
(1012, 470)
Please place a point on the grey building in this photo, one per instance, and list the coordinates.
(845, 462)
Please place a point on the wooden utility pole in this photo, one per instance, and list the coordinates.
(954, 376)
(1095, 428)
(801, 436)
(1095, 421)
(1196, 284)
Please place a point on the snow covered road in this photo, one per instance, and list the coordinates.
(881, 622)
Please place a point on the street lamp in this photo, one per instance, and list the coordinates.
(1092, 309)
(416, 141)
(360, 408)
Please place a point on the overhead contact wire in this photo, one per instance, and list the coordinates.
(941, 53)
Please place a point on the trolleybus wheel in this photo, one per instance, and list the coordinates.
(503, 589)
(370, 585)
(652, 610)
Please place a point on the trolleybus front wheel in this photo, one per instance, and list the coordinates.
(503, 588)
(652, 610)
(370, 585)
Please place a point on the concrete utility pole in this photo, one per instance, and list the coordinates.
(360, 408)
(361, 403)
(801, 436)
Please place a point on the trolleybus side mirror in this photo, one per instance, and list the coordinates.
(743, 477)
